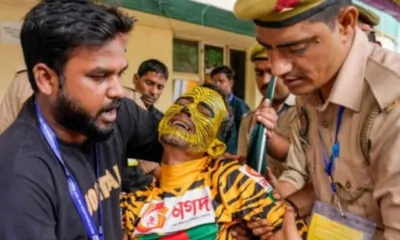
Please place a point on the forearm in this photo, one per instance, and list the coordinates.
(278, 146)
(284, 188)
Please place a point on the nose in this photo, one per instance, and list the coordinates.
(153, 91)
(266, 77)
(186, 111)
(115, 90)
(280, 66)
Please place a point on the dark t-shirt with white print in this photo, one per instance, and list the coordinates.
(35, 203)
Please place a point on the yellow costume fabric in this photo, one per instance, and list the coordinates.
(198, 193)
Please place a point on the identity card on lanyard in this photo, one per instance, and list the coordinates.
(331, 222)
(93, 232)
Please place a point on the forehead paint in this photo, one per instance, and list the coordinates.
(206, 127)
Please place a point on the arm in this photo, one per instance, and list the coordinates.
(27, 205)
(278, 146)
(140, 132)
(385, 170)
(252, 197)
(243, 135)
(296, 175)
(18, 92)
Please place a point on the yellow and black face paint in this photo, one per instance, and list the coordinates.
(207, 110)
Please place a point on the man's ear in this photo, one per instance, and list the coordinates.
(46, 79)
(135, 79)
(348, 20)
(216, 148)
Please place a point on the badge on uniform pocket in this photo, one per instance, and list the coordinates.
(328, 224)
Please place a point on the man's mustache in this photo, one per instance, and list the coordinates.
(115, 104)
(264, 86)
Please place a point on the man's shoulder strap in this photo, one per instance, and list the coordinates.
(368, 124)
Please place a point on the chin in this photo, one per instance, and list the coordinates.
(302, 90)
(100, 134)
(173, 140)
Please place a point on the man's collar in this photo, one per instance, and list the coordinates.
(230, 97)
(348, 88)
(290, 100)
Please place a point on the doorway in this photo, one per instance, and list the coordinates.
(238, 63)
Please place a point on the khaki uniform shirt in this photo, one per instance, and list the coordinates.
(20, 90)
(369, 188)
(286, 113)
(147, 166)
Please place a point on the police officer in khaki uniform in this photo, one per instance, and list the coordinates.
(284, 105)
(349, 105)
(18, 92)
(367, 21)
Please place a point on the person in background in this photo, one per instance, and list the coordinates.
(149, 82)
(223, 77)
(348, 107)
(283, 104)
(367, 21)
(16, 95)
(290, 180)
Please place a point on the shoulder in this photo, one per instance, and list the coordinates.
(21, 80)
(223, 166)
(25, 156)
(248, 116)
(240, 103)
(135, 96)
(383, 76)
(226, 168)
(21, 69)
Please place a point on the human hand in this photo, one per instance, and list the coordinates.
(267, 116)
(289, 230)
(240, 231)
(264, 231)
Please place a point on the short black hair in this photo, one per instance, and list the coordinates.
(329, 14)
(227, 125)
(229, 72)
(153, 65)
(54, 28)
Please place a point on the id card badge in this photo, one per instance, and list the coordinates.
(328, 224)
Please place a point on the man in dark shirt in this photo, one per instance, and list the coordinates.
(149, 81)
(223, 77)
(60, 159)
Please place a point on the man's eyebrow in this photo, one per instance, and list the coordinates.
(124, 68)
(208, 108)
(287, 44)
(106, 70)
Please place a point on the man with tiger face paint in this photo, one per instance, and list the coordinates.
(199, 195)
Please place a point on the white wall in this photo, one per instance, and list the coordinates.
(224, 4)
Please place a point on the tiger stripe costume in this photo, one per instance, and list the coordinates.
(232, 191)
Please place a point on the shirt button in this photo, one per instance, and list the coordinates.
(348, 184)
(325, 123)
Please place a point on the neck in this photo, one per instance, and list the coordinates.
(61, 132)
(179, 174)
(325, 90)
(173, 155)
(277, 103)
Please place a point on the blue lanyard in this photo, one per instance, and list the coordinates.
(330, 165)
(74, 190)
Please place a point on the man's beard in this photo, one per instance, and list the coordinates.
(174, 141)
(69, 115)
